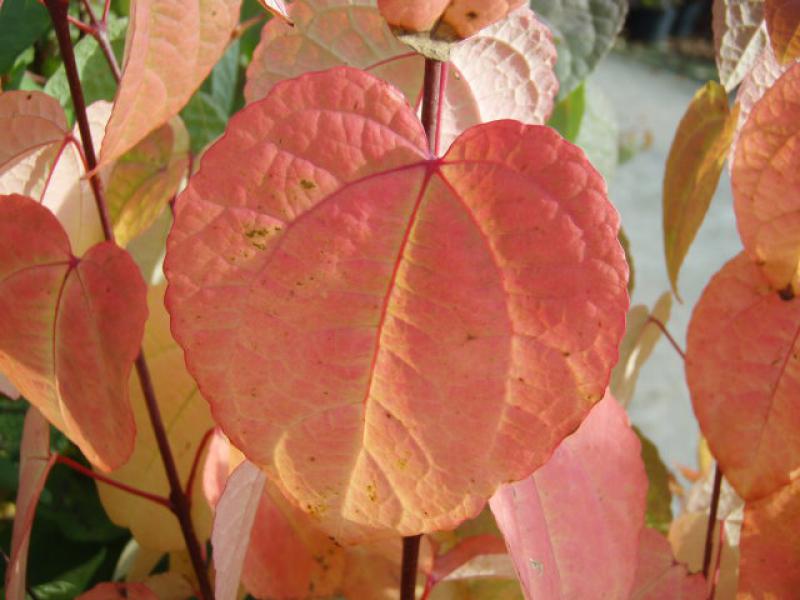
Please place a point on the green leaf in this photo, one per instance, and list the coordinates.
(568, 113)
(225, 77)
(599, 132)
(22, 22)
(659, 497)
(71, 583)
(96, 76)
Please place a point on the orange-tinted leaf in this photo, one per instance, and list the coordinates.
(573, 527)
(70, 329)
(740, 36)
(144, 179)
(504, 72)
(743, 370)
(693, 169)
(783, 24)
(172, 46)
(119, 591)
(765, 180)
(186, 418)
(233, 523)
(346, 297)
(35, 463)
(641, 337)
(770, 546)
(461, 18)
(464, 552)
(659, 576)
(7, 389)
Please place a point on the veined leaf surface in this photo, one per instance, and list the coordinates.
(172, 46)
(504, 72)
(743, 372)
(770, 551)
(70, 329)
(186, 419)
(573, 527)
(740, 36)
(659, 576)
(783, 23)
(765, 181)
(350, 305)
(585, 31)
(693, 169)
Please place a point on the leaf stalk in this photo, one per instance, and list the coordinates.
(178, 500)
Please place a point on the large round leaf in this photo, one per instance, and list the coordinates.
(388, 334)
(744, 375)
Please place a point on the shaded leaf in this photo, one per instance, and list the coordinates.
(740, 36)
(770, 548)
(504, 72)
(765, 181)
(233, 524)
(22, 22)
(659, 576)
(742, 369)
(62, 317)
(172, 46)
(186, 418)
(641, 337)
(145, 179)
(573, 527)
(598, 135)
(783, 22)
(693, 169)
(659, 496)
(584, 30)
(97, 80)
(34, 465)
(568, 113)
(478, 589)
(425, 326)
(70, 584)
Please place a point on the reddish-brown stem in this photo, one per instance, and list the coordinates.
(712, 521)
(408, 572)
(179, 502)
(431, 100)
(99, 31)
(196, 462)
(88, 29)
(717, 562)
(431, 96)
(667, 335)
(76, 466)
(242, 27)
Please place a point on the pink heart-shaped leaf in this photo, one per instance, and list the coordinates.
(70, 329)
(350, 306)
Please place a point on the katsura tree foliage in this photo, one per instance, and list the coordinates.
(329, 299)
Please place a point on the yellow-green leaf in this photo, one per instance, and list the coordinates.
(693, 169)
(145, 178)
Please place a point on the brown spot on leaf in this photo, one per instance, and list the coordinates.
(307, 185)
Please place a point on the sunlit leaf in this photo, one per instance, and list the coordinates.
(765, 181)
(504, 72)
(783, 23)
(770, 549)
(740, 36)
(276, 7)
(233, 525)
(573, 527)
(172, 46)
(340, 301)
(186, 418)
(641, 337)
(743, 369)
(693, 169)
(568, 113)
(459, 18)
(146, 178)
(63, 317)
(659, 576)
(585, 30)
(34, 465)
